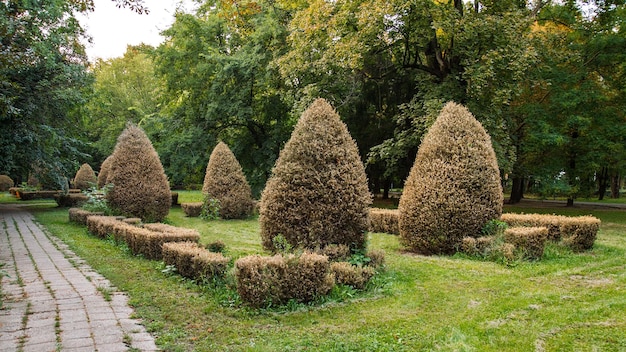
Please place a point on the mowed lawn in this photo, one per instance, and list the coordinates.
(565, 302)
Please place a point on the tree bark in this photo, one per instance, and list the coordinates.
(570, 202)
(517, 190)
(603, 181)
(615, 183)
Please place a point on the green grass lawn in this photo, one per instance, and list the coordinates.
(565, 302)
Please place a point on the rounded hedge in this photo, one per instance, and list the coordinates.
(225, 181)
(105, 168)
(453, 188)
(140, 187)
(317, 194)
(85, 177)
(5, 183)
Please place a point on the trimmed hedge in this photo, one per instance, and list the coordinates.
(103, 175)
(79, 216)
(70, 199)
(530, 241)
(384, 220)
(352, 275)
(264, 281)
(193, 261)
(578, 233)
(192, 210)
(5, 183)
(453, 189)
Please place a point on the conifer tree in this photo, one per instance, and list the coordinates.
(85, 177)
(105, 168)
(140, 186)
(453, 188)
(225, 181)
(317, 194)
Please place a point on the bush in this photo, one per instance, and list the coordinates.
(193, 261)
(530, 241)
(317, 194)
(224, 180)
(384, 220)
(335, 252)
(79, 216)
(85, 178)
(550, 222)
(264, 281)
(192, 210)
(177, 232)
(105, 168)
(377, 258)
(5, 183)
(351, 275)
(140, 187)
(70, 199)
(453, 188)
(216, 246)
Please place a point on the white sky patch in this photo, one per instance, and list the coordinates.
(112, 29)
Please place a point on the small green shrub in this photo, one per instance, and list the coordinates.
(5, 183)
(210, 208)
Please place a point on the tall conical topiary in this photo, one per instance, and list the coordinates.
(317, 194)
(140, 187)
(453, 188)
(104, 171)
(85, 177)
(224, 180)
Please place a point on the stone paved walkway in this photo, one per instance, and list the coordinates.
(52, 301)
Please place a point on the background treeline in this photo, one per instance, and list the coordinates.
(545, 78)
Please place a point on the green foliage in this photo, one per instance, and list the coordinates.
(494, 227)
(210, 208)
(97, 200)
(317, 194)
(453, 189)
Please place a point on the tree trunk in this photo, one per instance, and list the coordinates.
(386, 187)
(570, 202)
(615, 183)
(517, 190)
(603, 181)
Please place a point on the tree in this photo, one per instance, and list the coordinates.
(42, 75)
(317, 194)
(453, 188)
(225, 182)
(140, 187)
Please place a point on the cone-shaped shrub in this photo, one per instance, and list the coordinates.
(5, 183)
(317, 194)
(140, 187)
(224, 180)
(85, 177)
(453, 188)
(105, 168)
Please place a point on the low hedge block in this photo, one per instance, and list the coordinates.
(100, 225)
(351, 275)
(580, 233)
(79, 215)
(550, 222)
(262, 281)
(193, 261)
(174, 198)
(13, 191)
(70, 199)
(24, 195)
(192, 210)
(530, 241)
(174, 232)
(384, 220)
(477, 246)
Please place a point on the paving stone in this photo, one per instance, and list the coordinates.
(42, 347)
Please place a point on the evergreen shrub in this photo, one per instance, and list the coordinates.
(384, 220)
(264, 281)
(5, 183)
(529, 241)
(105, 168)
(351, 275)
(193, 209)
(453, 188)
(193, 261)
(140, 187)
(225, 181)
(317, 194)
(85, 178)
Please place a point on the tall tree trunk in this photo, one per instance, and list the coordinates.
(570, 202)
(386, 187)
(603, 181)
(615, 183)
(517, 190)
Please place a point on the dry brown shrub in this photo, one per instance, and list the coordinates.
(317, 194)
(225, 181)
(377, 258)
(453, 188)
(208, 265)
(140, 187)
(351, 275)
(176, 232)
(384, 220)
(579, 233)
(262, 281)
(549, 221)
(192, 210)
(5, 183)
(132, 221)
(85, 178)
(79, 215)
(180, 255)
(103, 175)
(100, 225)
(530, 241)
(121, 230)
(335, 252)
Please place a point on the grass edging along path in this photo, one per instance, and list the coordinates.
(567, 301)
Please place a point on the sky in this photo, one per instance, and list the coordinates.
(112, 28)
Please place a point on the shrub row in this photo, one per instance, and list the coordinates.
(578, 233)
(193, 261)
(79, 215)
(265, 281)
(384, 220)
(192, 210)
(351, 275)
(70, 199)
(145, 241)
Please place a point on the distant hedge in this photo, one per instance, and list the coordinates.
(85, 178)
